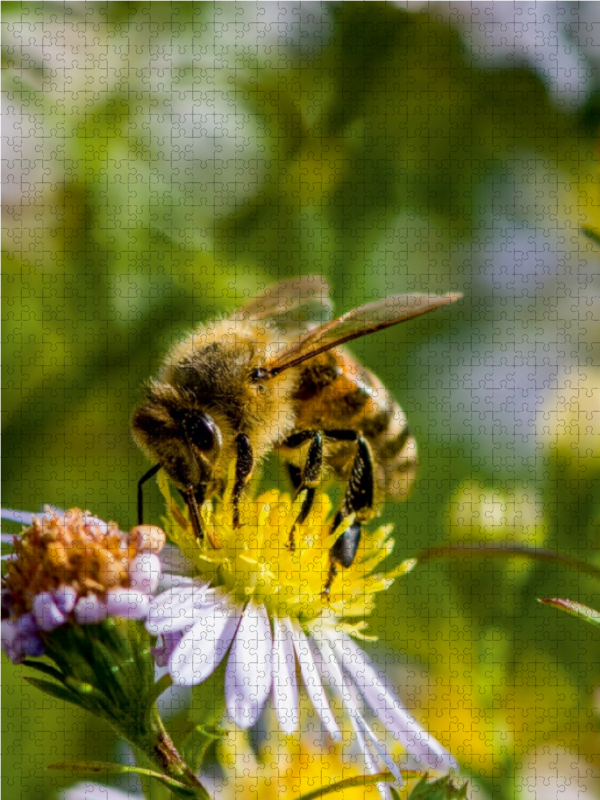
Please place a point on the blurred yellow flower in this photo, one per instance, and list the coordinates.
(285, 766)
(479, 513)
(571, 419)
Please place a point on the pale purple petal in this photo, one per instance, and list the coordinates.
(248, 677)
(314, 684)
(95, 791)
(170, 580)
(370, 759)
(145, 572)
(127, 603)
(327, 663)
(163, 651)
(180, 607)
(24, 517)
(285, 685)
(174, 561)
(388, 708)
(20, 638)
(47, 614)
(65, 598)
(379, 747)
(203, 646)
(90, 610)
(7, 603)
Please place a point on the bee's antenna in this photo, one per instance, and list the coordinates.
(140, 492)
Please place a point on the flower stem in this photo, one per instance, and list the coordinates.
(157, 746)
(165, 754)
(553, 556)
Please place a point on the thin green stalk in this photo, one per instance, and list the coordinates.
(553, 556)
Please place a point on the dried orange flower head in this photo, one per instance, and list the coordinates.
(76, 550)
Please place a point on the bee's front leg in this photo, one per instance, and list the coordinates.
(309, 477)
(244, 464)
(194, 498)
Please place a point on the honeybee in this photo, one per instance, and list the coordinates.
(270, 377)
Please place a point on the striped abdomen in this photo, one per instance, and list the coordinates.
(335, 392)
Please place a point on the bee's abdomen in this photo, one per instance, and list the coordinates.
(393, 445)
(337, 392)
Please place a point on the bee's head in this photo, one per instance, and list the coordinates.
(185, 440)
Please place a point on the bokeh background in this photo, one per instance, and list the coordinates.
(163, 161)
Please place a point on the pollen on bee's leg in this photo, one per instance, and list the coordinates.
(212, 539)
(331, 575)
(175, 512)
(291, 542)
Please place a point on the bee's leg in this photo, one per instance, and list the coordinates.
(194, 501)
(295, 474)
(310, 475)
(342, 553)
(243, 469)
(140, 491)
(359, 495)
(359, 499)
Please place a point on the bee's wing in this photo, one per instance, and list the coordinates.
(360, 322)
(296, 304)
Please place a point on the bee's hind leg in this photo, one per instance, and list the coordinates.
(295, 474)
(308, 478)
(359, 499)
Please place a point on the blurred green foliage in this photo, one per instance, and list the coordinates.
(171, 160)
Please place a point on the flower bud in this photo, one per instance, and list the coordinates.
(148, 537)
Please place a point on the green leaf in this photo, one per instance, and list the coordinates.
(576, 609)
(438, 789)
(198, 741)
(45, 668)
(55, 690)
(591, 233)
(161, 685)
(90, 698)
(349, 783)
(116, 769)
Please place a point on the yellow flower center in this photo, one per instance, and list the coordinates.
(255, 561)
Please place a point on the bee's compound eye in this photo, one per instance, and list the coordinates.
(201, 431)
(258, 374)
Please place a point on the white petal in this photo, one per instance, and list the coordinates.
(127, 603)
(180, 607)
(145, 572)
(202, 648)
(370, 759)
(248, 676)
(388, 708)
(379, 747)
(312, 681)
(285, 685)
(329, 667)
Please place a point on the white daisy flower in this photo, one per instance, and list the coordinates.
(260, 609)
